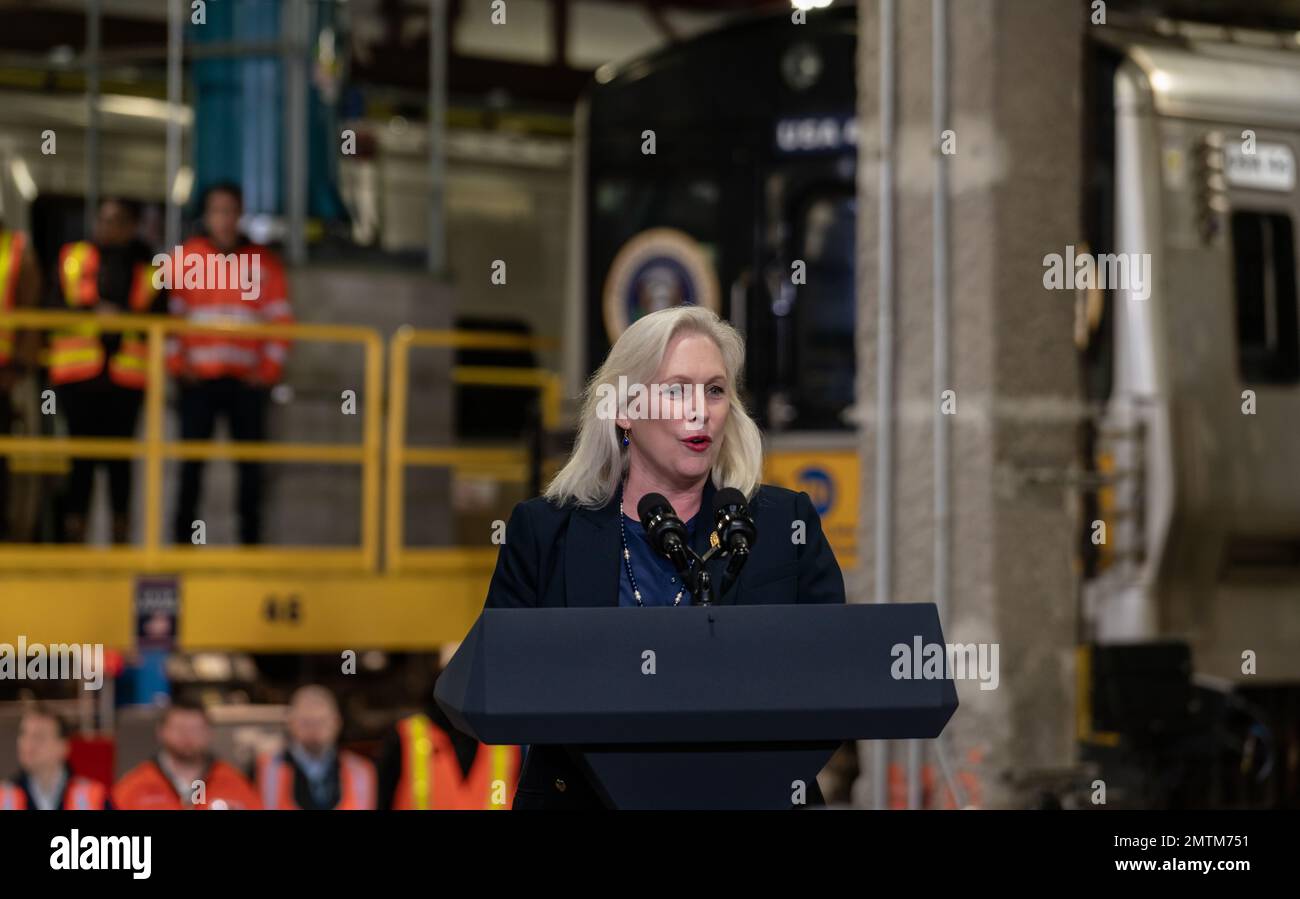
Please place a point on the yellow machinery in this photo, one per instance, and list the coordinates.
(379, 594)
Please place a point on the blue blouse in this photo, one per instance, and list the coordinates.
(655, 574)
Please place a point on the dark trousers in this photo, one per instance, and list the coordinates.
(244, 409)
(99, 408)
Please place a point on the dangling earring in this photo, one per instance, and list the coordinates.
(626, 436)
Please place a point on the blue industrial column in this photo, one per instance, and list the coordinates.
(240, 97)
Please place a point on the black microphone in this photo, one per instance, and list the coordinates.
(735, 525)
(736, 531)
(665, 531)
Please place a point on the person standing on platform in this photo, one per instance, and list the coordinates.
(312, 772)
(99, 378)
(184, 774)
(20, 288)
(225, 375)
(44, 781)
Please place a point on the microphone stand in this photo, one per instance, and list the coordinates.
(701, 583)
(735, 562)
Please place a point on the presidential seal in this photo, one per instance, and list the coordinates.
(656, 269)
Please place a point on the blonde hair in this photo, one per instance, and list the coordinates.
(599, 460)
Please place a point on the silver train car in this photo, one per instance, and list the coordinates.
(1197, 372)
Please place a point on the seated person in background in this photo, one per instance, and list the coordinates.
(427, 763)
(44, 781)
(184, 775)
(312, 772)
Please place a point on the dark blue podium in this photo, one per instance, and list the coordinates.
(697, 707)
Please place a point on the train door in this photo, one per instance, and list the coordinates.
(808, 377)
(811, 288)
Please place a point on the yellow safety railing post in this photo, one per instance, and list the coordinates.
(508, 464)
(552, 400)
(398, 354)
(155, 396)
(373, 459)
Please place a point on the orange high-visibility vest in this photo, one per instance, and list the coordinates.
(431, 776)
(82, 794)
(77, 354)
(357, 782)
(146, 787)
(204, 289)
(12, 244)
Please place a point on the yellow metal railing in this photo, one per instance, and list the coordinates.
(504, 464)
(501, 463)
(155, 451)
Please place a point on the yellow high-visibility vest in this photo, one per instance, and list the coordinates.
(12, 244)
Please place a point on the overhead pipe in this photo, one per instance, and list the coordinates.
(884, 542)
(295, 29)
(175, 99)
(93, 17)
(942, 353)
(436, 255)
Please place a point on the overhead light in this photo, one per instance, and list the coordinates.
(182, 186)
(810, 4)
(146, 108)
(23, 179)
(801, 66)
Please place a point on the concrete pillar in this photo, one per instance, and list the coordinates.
(1015, 93)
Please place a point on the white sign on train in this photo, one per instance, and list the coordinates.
(816, 133)
(1270, 167)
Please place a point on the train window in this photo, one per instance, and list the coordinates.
(626, 206)
(1268, 334)
(824, 314)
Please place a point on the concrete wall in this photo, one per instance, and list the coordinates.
(1014, 185)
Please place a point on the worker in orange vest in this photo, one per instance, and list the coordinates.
(184, 775)
(428, 764)
(20, 287)
(44, 781)
(223, 375)
(312, 772)
(99, 378)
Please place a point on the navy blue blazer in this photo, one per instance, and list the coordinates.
(571, 556)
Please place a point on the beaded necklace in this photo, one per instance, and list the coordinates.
(627, 558)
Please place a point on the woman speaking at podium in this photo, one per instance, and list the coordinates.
(662, 419)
